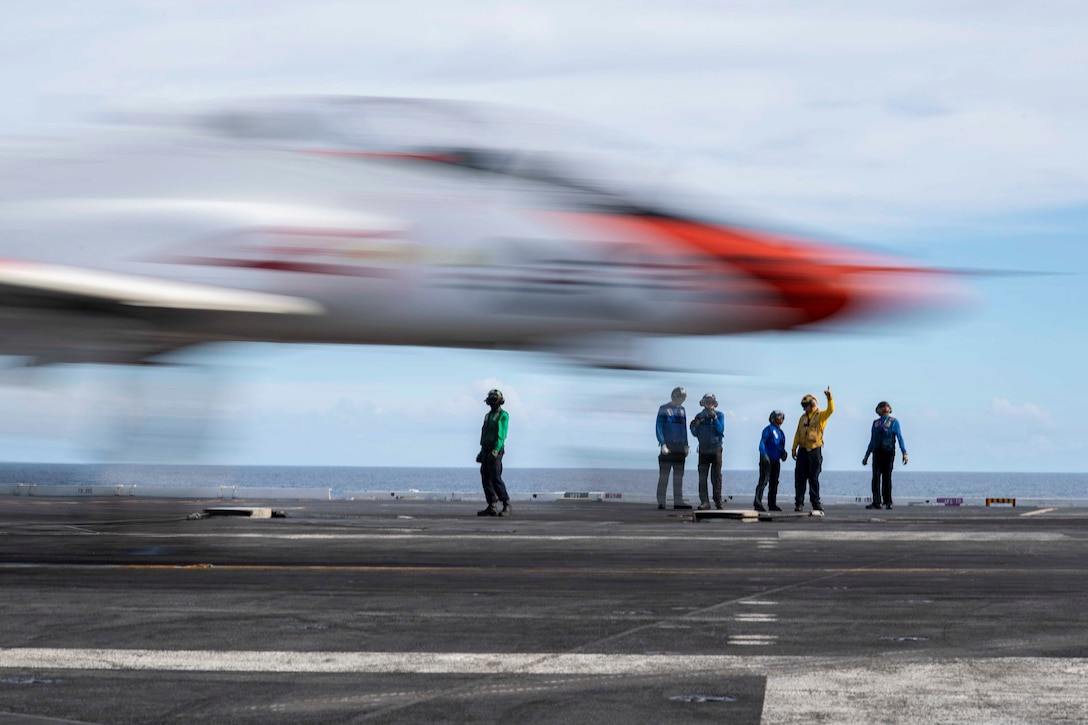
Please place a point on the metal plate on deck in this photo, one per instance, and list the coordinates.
(254, 512)
(752, 514)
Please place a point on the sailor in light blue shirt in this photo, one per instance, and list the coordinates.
(709, 427)
(882, 438)
(672, 437)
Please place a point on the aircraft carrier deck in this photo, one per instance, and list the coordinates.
(129, 611)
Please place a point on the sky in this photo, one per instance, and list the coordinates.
(947, 132)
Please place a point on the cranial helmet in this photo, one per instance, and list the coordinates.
(774, 414)
(709, 399)
(881, 404)
(495, 394)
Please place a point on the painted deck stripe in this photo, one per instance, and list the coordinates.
(933, 536)
(531, 570)
(42, 658)
(420, 535)
(371, 662)
(982, 536)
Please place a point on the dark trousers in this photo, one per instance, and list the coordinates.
(882, 477)
(768, 474)
(491, 477)
(710, 463)
(807, 470)
(670, 462)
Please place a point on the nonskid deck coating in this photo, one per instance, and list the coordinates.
(401, 611)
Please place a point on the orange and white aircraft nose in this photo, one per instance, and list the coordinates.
(812, 282)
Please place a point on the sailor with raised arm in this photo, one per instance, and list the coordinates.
(808, 450)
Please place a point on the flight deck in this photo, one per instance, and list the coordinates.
(135, 610)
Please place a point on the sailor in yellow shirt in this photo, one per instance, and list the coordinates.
(808, 451)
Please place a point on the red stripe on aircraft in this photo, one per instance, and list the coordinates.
(342, 270)
(814, 286)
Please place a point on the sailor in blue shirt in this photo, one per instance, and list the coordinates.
(709, 428)
(882, 438)
(772, 451)
(672, 437)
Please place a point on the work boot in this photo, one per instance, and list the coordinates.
(507, 509)
(798, 508)
(873, 506)
(758, 507)
(718, 504)
(489, 511)
(704, 506)
(772, 507)
(817, 507)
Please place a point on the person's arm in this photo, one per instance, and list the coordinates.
(796, 439)
(902, 445)
(719, 423)
(763, 453)
(504, 425)
(869, 450)
(826, 412)
(660, 428)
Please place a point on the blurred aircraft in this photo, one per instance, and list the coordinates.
(392, 222)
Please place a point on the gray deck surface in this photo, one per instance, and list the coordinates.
(122, 611)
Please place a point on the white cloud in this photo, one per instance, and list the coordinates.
(856, 112)
(1025, 411)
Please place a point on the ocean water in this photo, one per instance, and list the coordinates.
(643, 482)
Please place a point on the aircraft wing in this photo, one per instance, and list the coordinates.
(57, 313)
(75, 283)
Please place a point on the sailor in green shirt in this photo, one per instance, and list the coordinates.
(492, 448)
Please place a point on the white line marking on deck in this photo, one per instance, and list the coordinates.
(937, 536)
(753, 639)
(756, 617)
